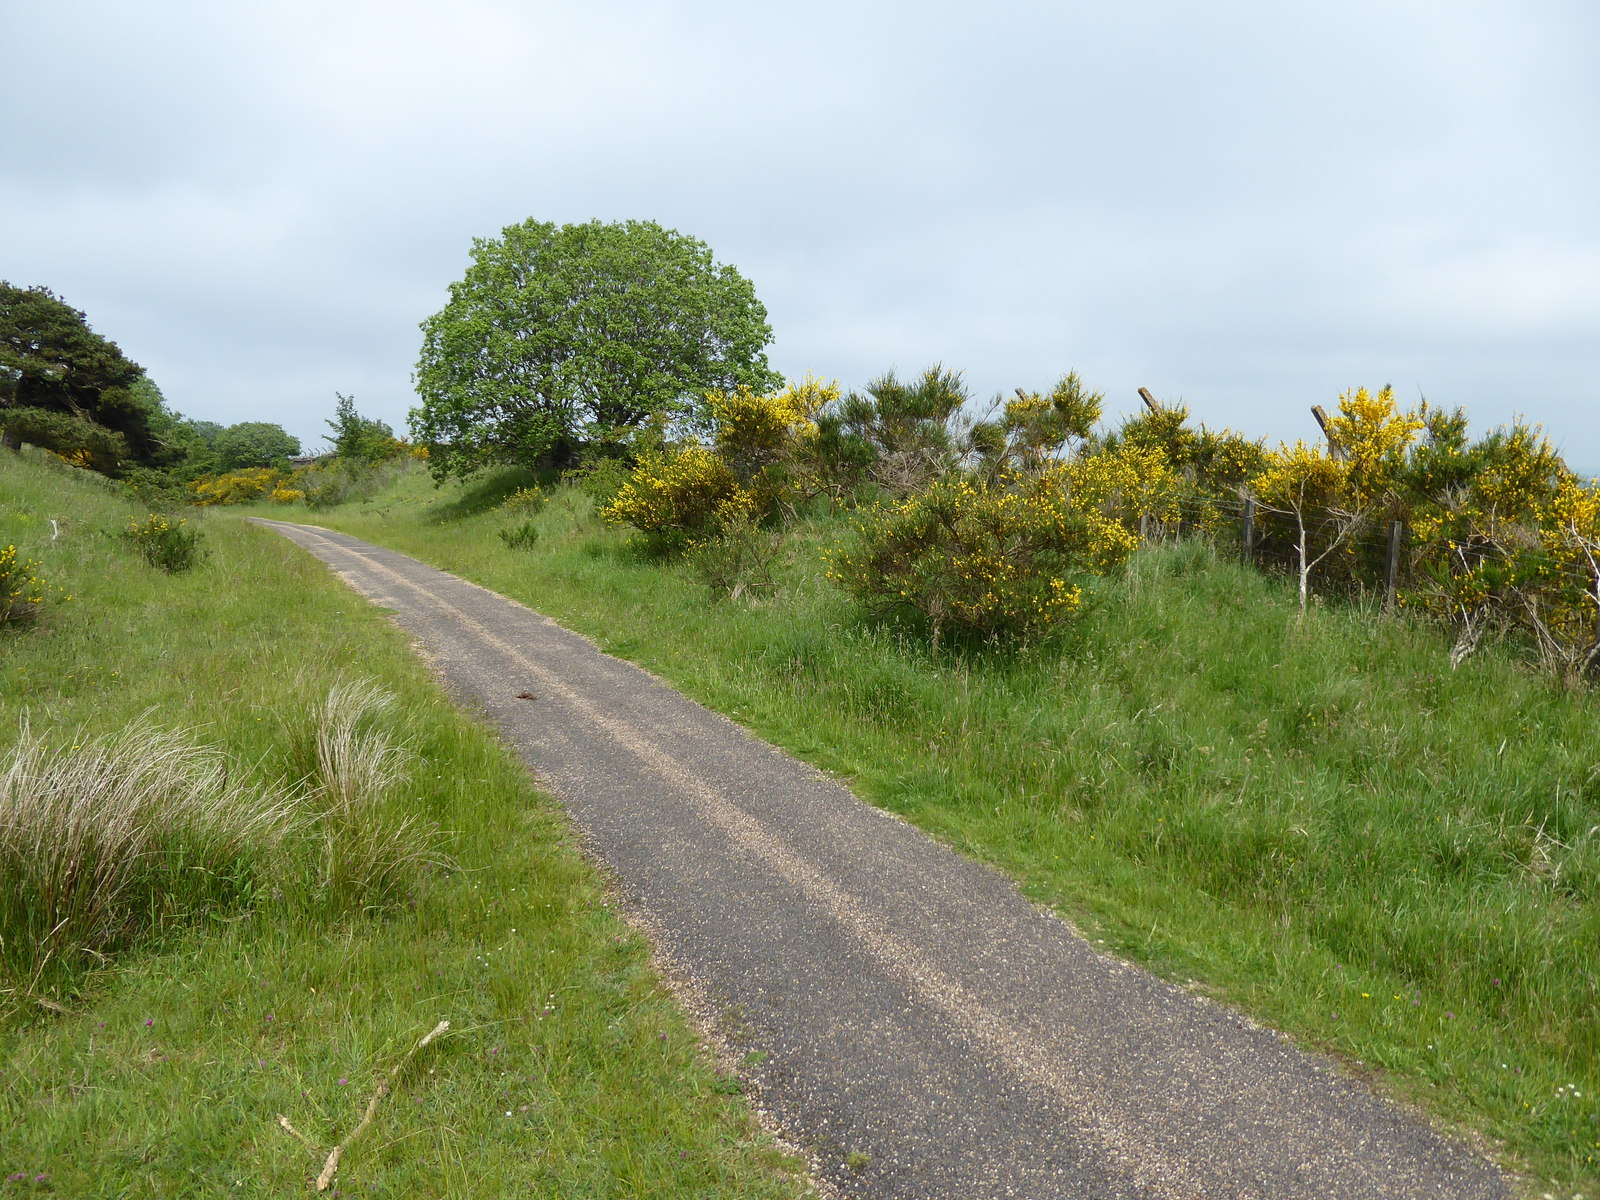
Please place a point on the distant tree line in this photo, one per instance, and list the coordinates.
(69, 390)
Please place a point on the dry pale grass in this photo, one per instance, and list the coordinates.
(372, 849)
(103, 839)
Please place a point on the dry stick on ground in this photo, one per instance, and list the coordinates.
(304, 1140)
(332, 1165)
(334, 1155)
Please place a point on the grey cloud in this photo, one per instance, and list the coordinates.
(1251, 206)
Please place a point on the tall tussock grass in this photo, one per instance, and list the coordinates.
(109, 840)
(371, 850)
(103, 841)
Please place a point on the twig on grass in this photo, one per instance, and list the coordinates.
(332, 1164)
(304, 1140)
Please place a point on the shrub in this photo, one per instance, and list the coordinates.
(520, 537)
(675, 495)
(1038, 429)
(1123, 485)
(170, 545)
(244, 486)
(737, 561)
(529, 500)
(903, 432)
(22, 588)
(600, 478)
(982, 559)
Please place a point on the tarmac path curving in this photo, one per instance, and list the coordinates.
(919, 1018)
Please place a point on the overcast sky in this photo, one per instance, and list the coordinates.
(1250, 206)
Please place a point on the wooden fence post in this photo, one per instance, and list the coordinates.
(1249, 531)
(1335, 451)
(1391, 568)
(1144, 527)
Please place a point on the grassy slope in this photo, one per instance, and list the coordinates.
(568, 1071)
(1317, 820)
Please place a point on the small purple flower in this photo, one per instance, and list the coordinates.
(149, 1022)
(342, 1082)
(1449, 1016)
(40, 1178)
(269, 1017)
(18, 1177)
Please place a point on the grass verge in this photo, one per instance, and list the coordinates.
(1313, 819)
(160, 1069)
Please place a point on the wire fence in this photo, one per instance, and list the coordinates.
(1376, 557)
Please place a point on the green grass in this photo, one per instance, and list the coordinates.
(1315, 820)
(568, 1071)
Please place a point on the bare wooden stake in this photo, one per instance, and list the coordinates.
(1150, 401)
(1391, 569)
(1335, 452)
(1249, 530)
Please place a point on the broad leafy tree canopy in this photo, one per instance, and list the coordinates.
(254, 444)
(561, 333)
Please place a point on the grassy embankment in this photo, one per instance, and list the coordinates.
(1315, 820)
(159, 1072)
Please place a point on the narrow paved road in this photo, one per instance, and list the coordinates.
(913, 1007)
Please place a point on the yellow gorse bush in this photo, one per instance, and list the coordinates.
(236, 487)
(1124, 484)
(759, 429)
(170, 545)
(755, 462)
(676, 493)
(993, 559)
(248, 485)
(22, 588)
(1373, 437)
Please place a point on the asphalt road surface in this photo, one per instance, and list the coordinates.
(919, 1018)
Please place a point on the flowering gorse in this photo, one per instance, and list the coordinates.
(170, 545)
(758, 461)
(246, 486)
(22, 588)
(994, 560)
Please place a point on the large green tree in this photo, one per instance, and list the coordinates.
(559, 334)
(67, 388)
(254, 444)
